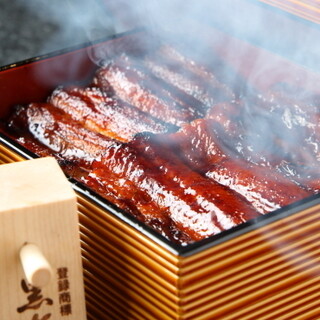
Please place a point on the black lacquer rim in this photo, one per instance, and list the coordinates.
(71, 49)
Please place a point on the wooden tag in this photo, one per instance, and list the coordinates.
(39, 229)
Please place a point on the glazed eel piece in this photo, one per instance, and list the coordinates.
(141, 177)
(292, 128)
(268, 134)
(49, 131)
(294, 123)
(165, 193)
(105, 115)
(122, 78)
(306, 176)
(168, 64)
(247, 131)
(58, 132)
(264, 187)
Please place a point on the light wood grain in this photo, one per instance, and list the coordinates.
(36, 267)
(38, 206)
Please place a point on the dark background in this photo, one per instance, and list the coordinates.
(29, 28)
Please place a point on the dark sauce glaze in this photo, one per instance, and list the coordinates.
(133, 87)
(162, 188)
(188, 76)
(105, 115)
(201, 148)
(167, 142)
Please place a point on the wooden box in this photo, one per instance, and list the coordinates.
(263, 269)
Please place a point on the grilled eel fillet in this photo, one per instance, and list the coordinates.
(169, 196)
(125, 80)
(105, 115)
(263, 186)
(168, 64)
(275, 133)
(58, 133)
(141, 176)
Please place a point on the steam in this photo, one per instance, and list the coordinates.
(271, 29)
(36, 27)
(198, 28)
(192, 22)
(64, 23)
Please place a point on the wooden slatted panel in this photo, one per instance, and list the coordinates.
(126, 268)
(8, 156)
(272, 271)
(308, 9)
